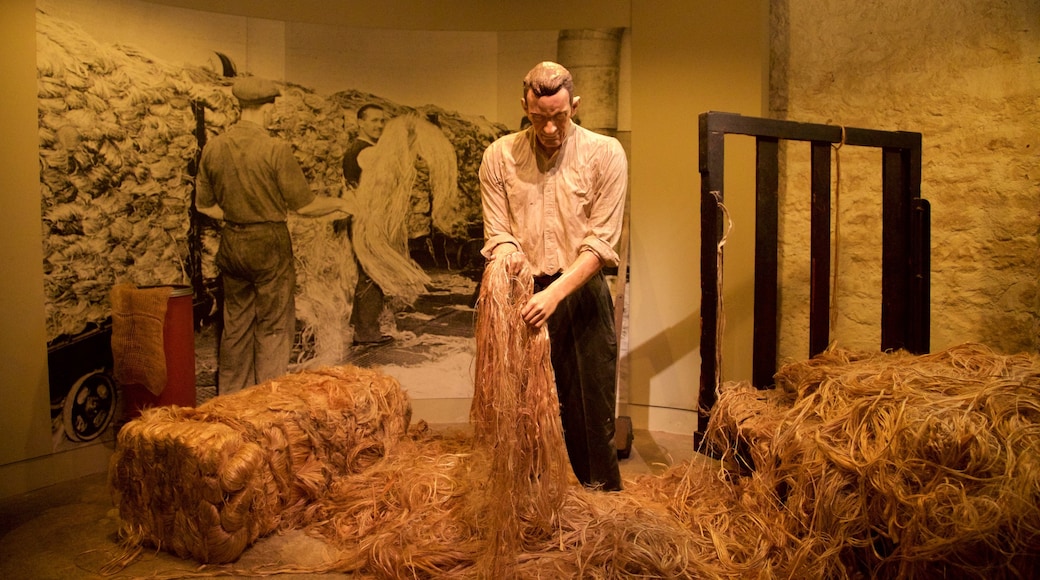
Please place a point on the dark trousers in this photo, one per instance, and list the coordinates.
(584, 359)
(256, 267)
(368, 306)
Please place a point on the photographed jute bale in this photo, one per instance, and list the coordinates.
(206, 482)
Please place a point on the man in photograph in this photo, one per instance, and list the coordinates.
(250, 181)
(368, 296)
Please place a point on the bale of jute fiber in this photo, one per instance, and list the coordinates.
(743, 422)
(206, 482)
(899, 465)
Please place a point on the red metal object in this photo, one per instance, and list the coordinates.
(179, 347)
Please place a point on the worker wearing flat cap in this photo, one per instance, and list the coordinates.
(255, 91)
(250, 181)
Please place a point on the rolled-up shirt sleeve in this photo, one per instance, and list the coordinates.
(495, 204)
(291, 180)
(607, 209)
(204, 196)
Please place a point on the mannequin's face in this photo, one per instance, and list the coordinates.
(550, 116)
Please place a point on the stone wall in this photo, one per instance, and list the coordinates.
(966, 75)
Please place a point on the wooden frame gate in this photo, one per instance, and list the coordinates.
(905, 280)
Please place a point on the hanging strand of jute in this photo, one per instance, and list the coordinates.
(720, 315)
(515, 414)
(837, 229)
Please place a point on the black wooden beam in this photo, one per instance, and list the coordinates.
(919, 339)
(820, 249)
(767, 215)
(733, 124)
(712, 162)
(895, 251)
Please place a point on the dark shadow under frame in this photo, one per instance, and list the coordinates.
(906, 235)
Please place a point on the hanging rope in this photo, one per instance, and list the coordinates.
(720, 314)
(837, 229)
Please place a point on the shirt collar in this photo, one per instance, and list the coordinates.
(250, 125)
(544, 159)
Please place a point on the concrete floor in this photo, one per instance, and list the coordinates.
(69, 530)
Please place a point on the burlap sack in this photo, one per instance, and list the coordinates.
(138, 355)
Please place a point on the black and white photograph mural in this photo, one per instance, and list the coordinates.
(388, 125)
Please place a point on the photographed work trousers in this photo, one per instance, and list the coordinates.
(584, 360)
(256, 266)
(368, 306)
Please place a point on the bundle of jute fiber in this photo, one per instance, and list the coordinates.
(515, 414)
(206, 482)
(909, 466)
(416, 513)
(742, 424)
(384, 199)
(422, 512)
(326, 274)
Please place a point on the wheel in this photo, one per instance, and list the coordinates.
(90, 406)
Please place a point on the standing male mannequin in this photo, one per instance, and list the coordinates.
(368, 296)
(251, 181)
(553, 196)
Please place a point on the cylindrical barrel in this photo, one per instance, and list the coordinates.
(593, 56)
(179, 349)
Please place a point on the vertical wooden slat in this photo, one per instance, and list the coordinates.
(712, 159)
(820, 250)
(919, 339)
(194, 227)
(767, 185)
(920, 277)
(895, 250)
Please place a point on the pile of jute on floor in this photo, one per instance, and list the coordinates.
(499, 501)
(856, 465)
(893, 465)
(206, 482)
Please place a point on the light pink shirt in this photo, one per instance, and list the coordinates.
(553, 209)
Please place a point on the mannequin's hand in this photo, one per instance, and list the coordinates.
(514, 259)
(514, 262)
(540, 307)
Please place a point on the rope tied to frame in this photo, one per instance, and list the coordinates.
(720, 314)
(837, 229)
